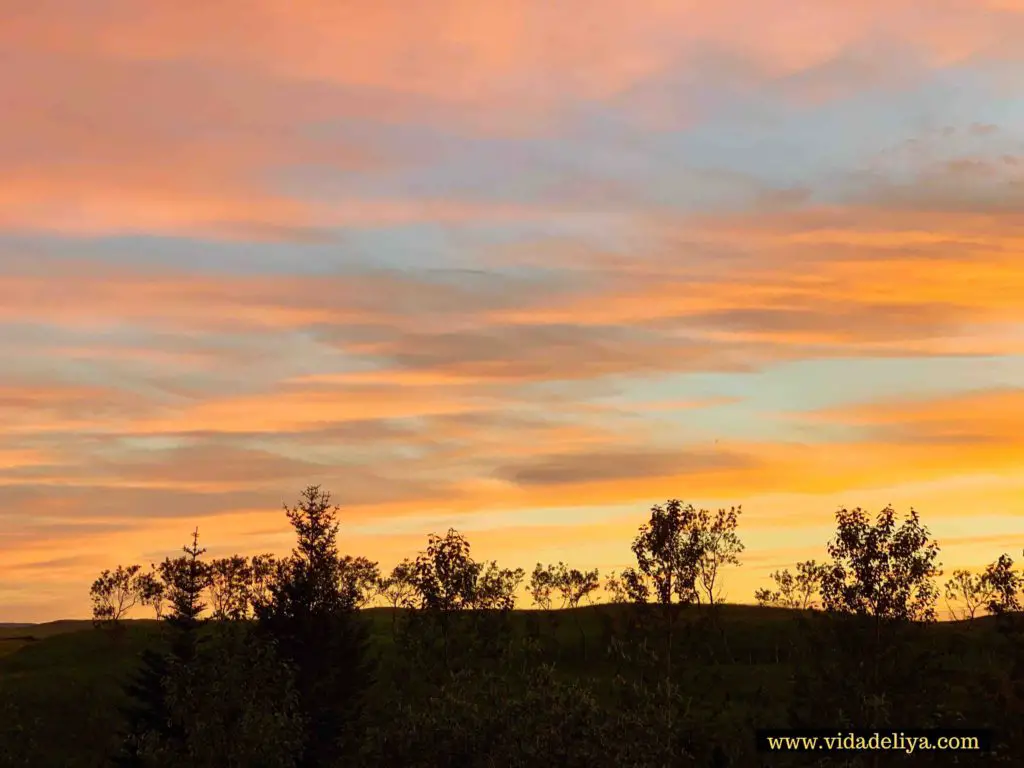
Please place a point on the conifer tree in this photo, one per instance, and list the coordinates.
(313, 620)
(188, 577)
(152, 730)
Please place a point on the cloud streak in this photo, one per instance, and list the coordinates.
(492, 267)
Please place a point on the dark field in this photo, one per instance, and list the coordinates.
(737, 668)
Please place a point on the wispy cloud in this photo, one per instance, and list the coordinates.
(494, 267)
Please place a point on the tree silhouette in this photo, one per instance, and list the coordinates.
(397, 587)
(263, 571)
(187, 579)
(718, 546)
(878, 591)
(494, 596)
(445, 573)
(152, 590)
(289, 689)
(667, 550)
(1004, 585)
(230, 580)
(1006, 687)
(542, 584)
(881, 570)
(630, 586)
(791, 591)
(575, 585)
(681, 550)
(114, 593)
(359, 580)
(444, 577)
(313, 622)
(966, 593)
(495, 587)
(155, 728)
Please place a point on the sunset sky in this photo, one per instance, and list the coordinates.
(522, 268)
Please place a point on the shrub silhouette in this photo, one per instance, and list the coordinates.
(797, 591)
(879, 594)
(115, 593)
(967, 593)
(1003, 585)
(284, 672)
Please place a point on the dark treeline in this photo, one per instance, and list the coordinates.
(274, 662)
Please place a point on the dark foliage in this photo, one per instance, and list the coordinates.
(152, 726)
(451, 675)
(312, 619)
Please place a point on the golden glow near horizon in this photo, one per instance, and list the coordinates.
(483, 266)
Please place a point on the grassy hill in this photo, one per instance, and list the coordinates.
(60, 682)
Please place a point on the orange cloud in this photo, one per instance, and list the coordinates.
(138, 119)
(984, 417)
(82, 206)
(840, 281)
(138, 402)
(13, 458)
(95, 145)
(474, 47)
(286, 411)
(797, 298)
(280, 411)
(85, 295)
